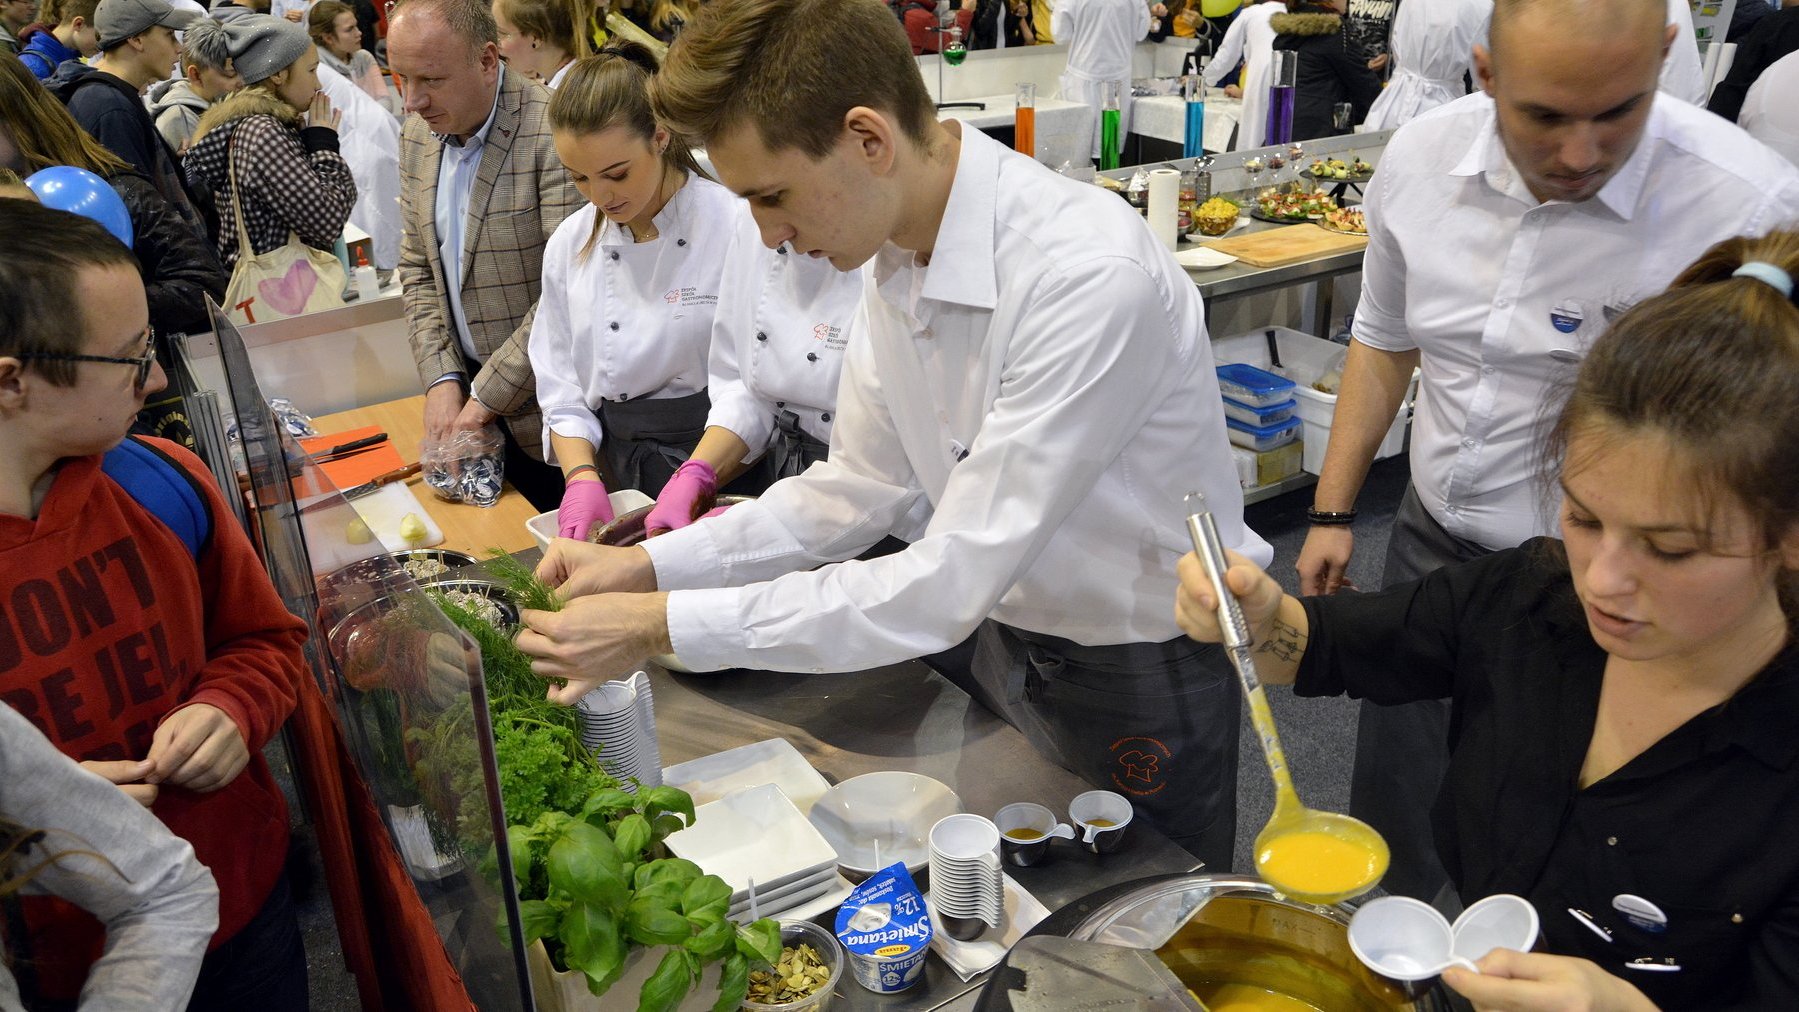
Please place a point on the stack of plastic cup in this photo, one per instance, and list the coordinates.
(618, 725)
(967, 886)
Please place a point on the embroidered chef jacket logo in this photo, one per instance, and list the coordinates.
(831, 336)
(689, 296)
(1142, 763)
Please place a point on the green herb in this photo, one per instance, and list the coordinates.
(593, 885)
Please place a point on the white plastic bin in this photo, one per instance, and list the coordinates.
(1304, 359)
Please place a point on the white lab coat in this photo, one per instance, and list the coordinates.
(1769, 112)
(1250, 39)
(1433, 48)
(369, 139)
(1102, 36)
(629, 320)
(778, 340)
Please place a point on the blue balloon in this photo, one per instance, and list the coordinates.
(79, 191)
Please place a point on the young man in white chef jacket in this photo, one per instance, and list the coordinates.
(1027, 397)
(1506, 229)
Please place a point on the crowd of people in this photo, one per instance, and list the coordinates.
(971, 396)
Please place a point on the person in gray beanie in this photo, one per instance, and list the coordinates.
(282, 133)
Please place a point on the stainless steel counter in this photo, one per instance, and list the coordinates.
(903, 717)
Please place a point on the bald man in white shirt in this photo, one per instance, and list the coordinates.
(1506, 229)
(1027, 396)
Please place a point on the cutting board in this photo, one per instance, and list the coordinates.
(327, 528)
(1289, 244)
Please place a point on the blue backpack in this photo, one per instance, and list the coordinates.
(163, 487)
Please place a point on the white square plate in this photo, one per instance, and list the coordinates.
(753, 834)
(774, 761)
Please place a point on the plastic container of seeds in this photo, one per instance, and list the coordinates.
(795, 934)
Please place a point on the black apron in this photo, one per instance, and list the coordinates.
(646, 440)
(794, 449)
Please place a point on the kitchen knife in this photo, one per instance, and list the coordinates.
(352, 446)
(374, 484)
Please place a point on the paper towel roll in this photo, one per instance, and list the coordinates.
(1164, 206)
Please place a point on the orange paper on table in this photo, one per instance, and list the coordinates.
(358, 467)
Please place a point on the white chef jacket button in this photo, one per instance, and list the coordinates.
(1469, 443)
(613, 325)
(812, 356)
(1486, 370)
(825, 417)
(1502, 303)
(615, 254)
(760, 336)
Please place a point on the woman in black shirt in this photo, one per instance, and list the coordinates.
(1625, 698)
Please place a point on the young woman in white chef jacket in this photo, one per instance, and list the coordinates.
(777, 350)
(630, 289)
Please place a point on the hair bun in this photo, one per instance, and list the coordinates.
(631, 51)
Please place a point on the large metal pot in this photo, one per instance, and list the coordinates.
(1234, 930)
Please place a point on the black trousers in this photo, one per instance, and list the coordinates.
(1155, 722)
(1402, 752)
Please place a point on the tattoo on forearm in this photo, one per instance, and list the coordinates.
(1285, 643)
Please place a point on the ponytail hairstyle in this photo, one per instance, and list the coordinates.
(611, 89)
(565, 24)
(1712, 364)
(321, 21)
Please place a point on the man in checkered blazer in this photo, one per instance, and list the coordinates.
(481, 190)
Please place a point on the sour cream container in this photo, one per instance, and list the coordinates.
(886, 931)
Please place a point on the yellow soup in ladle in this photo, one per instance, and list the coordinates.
(1307, 863)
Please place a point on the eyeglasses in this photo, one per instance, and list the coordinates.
(144, 363)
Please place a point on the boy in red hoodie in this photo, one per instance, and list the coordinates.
(163, 665)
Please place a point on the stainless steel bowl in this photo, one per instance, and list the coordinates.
(386, 570)
(626, 529)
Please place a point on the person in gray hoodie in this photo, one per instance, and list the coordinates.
(207, 76)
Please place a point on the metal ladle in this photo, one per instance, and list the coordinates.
(1290, 816)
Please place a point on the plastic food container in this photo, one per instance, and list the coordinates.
(1274, 414)
(1262, 438)
(1306, 360)
(1254, 387)
(792, 934)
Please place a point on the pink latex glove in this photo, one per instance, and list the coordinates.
(584, 504)
(677, 506)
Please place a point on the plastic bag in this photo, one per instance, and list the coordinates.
(469, 466)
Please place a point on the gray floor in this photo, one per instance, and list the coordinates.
(1317, 734)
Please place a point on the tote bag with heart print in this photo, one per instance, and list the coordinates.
(290, 280)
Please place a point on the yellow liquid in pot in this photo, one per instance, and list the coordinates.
(1025, 835)
(1317, 864)
(1247, 998)
(1101, 823)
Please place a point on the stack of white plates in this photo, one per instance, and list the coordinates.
(618, 725)
(757, 835)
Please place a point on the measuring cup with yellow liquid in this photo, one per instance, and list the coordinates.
(1317, 857)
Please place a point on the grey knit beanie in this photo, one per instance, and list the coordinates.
(263, 46)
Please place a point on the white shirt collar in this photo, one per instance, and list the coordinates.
(479, 139)
(962, 256)
(1487, 157)
(555, 80)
